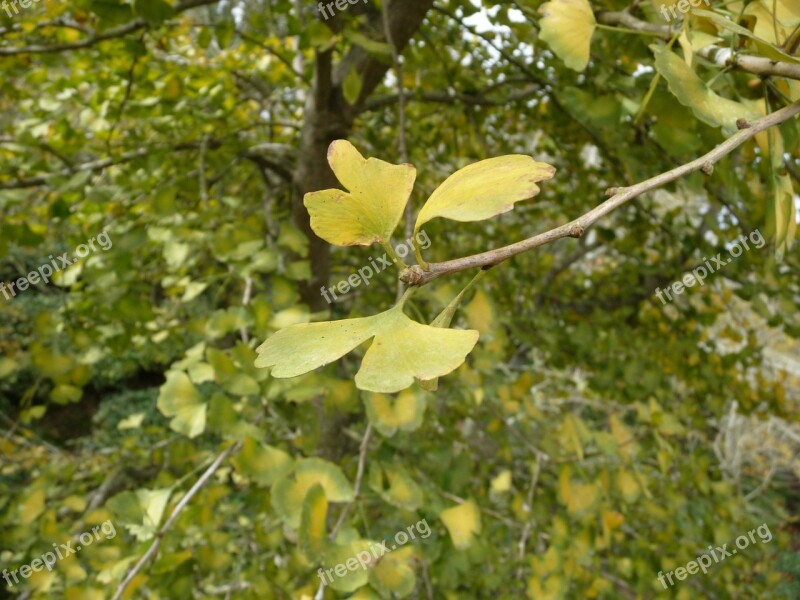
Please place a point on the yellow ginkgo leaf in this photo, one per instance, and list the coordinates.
(567, 27)
(370, 211)
(463, 522)
(313, 534)
(289, 492)
(403, 491)
(402, 351)
(486, 188)
(691, 91)
(261, 463)
(628, 486)
(389, 414)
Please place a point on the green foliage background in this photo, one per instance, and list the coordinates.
(582, 426)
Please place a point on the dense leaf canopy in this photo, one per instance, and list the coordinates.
(282, 281)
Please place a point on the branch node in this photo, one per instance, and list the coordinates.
(412, 275)
(613, 191)
(707, 168)
(576, 230)
(743, 124)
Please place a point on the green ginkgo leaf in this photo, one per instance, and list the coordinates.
(313, 534)
(486, 188)
(339, 554)
(261, 463)
(402, 351)
(403, 491)
(782, 216)
(179, 399)
(289, 492)
(691, 91)
(394, 575)
(567, 27)
(140, 512)
(369, 213)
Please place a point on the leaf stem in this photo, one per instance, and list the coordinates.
(418, 253)
(393, 255)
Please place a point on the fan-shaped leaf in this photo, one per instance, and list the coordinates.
(567, 27)
(401, 351)
(485, 189)
(369, 213)
(690, 91)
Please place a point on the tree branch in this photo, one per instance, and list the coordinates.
(415, 275)
(452, 98)
(151, 551)
(95, 37)
(721, 57)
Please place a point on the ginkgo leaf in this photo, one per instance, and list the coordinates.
(140, 512)
(289, 492)
(484, 189)
(387, 414)
(303, 347)
(567, 27)
(406, 350)
(627, 486)
(764, 34)
(691, 91)
(263, 464)
(401, 351)
(313, 534)
(782, 216)
(369, 212)
(578, 497)
(338, 554)
(179, 399)
(394, 574)
(463, 522)
(403, 491)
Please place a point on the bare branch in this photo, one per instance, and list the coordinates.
(415, 275)
(721, 57)
(151, 551)
(95, 37)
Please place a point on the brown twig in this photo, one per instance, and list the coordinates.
(415, 275)
(151, 551)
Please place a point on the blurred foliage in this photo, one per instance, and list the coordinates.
(574, 453)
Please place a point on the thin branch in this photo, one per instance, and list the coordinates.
(126, 96)
(529, 508)
(415, 275)
(95, 37)
(401, 128)
(362, 457)
(262, 151)
(151, 551)
(249, 38)
(721, 57)
(377, 102)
